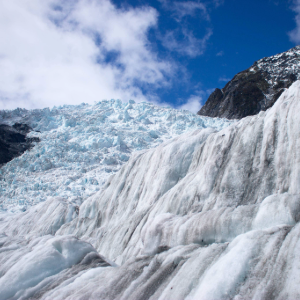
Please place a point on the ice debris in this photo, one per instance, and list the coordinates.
(81, 146)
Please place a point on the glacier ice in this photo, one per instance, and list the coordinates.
(44, 257)
(206, 215)
(42, 219)
(81, 146)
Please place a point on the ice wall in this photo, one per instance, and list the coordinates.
(207, 215)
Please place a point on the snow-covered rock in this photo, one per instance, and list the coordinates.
(255, 89)
(81, 146)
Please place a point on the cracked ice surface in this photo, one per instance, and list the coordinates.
(81, 146)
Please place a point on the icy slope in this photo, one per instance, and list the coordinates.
(177, 189)
(81, 146)
(41, 260)
(208, 215)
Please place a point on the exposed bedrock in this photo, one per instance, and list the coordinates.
(255, 89)
(13, 141)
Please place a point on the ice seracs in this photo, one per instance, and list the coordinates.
(81, 146)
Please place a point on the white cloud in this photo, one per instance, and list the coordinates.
(193, 104)
(54, 53)
(221, 53)
(295, 34)
(190, 45)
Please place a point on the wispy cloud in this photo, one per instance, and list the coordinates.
(218, 2)
(59, 52)
(295, 34)
(189, 45)
(221, 53)
(188, 8)
(224, 79)
(182, 39)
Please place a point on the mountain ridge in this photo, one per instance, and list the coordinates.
(256, 88)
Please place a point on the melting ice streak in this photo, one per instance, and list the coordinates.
(206, 215)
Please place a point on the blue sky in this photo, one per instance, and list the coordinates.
(168, 52)
(241, 33)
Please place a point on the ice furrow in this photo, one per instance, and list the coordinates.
(184, 220)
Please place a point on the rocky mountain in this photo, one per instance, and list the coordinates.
(255, 89)
(13, 141)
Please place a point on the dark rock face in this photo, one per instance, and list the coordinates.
(13, 141)
(256, 88)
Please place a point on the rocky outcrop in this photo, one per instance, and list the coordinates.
(13, 141)
(255, 89)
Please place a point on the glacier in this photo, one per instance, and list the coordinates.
(82, 145)
(212, 213)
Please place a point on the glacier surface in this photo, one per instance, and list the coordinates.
(206, 215)
(81, 146)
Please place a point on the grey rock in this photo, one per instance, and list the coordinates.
(255, 89)
(13, 141)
